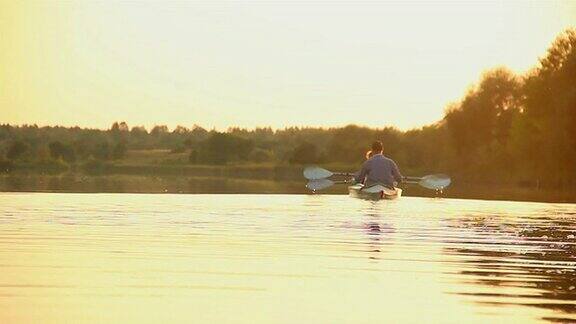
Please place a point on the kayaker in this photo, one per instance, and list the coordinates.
(379, 169)
(369, 154)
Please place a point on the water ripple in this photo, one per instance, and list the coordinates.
(303, 258)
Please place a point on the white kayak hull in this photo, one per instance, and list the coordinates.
(374, 192)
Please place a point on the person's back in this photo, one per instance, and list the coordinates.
(379, 169)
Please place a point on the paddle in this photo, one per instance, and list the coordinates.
(316, 173)
(319, 179)
(435, 181)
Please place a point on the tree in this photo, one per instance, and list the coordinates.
(62, 151)
(17, 150)
(221, 148)
(479, 126)
(119, 150)
(188, 143)
(159, 130)
(349, 144)
(120, 131)
(485, 113)
(304, 153)
(180, 130)
(194, 157)
(548, 125)
(198, 133)
(119, 127)
(101, 151)
(425, 149)
(260, 155)
(6, 166)
(138, 131)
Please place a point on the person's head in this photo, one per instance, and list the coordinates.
(377, 147)
(369, 154)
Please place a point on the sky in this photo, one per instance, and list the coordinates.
(259, 63)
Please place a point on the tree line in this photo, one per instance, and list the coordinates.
(506, 128)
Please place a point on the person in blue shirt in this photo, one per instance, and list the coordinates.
(379, 169)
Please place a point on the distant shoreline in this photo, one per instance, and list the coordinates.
(249, 180)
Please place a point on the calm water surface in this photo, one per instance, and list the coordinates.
(284, 259)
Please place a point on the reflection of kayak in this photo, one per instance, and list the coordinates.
(374, 192)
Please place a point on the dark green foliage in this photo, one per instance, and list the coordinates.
(62, 151)
(138, 131)
(425, 149)
(194, 157)
(188, 143)
(120, 131)
(158, 131)
(119, 150)
(178, 149)
(305, 153)
(485, 115)
(94, 167)
(181, 130)
(17, 150)
(50, 166)
(260, 155)
(6, 166)
(222, 148)
(520, 128)
(102, 151)
(349, 144)
(548, 123)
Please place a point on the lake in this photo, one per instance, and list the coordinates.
(212, 258)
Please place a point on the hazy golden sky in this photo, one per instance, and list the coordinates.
(258, 63)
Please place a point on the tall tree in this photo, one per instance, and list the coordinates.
(548, 128)
(480, 124)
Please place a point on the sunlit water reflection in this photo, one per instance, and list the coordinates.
(283, 259)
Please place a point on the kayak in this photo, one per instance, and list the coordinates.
(373, 192)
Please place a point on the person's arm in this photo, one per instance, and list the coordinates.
(396, 173)
(360, 176)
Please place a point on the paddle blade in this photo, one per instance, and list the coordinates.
(316, 173)
(435, 181)
(320, 184)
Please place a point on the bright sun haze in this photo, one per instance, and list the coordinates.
(221, 64)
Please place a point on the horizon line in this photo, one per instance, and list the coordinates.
(210, 129)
